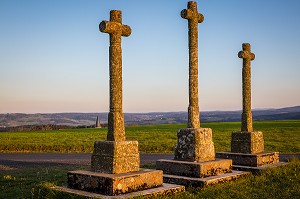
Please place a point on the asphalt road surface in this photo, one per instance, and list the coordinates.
(10, 161)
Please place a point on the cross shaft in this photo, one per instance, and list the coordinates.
(247, 57)
(115, 29)
(193, 17)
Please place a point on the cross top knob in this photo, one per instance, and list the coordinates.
(246, 53)
(192, 12)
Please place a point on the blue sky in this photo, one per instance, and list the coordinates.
(54, 59)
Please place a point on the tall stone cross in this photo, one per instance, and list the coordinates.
(115, 29)
(193, 17)
(247, 57)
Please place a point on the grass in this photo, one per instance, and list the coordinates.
(24, 183)
(282, 136)
(282, 182)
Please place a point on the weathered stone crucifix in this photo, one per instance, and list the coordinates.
(193, 17)
(247, 57)
(116, 30)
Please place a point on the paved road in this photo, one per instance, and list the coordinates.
(10, 161)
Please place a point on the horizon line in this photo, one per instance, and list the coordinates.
(147, 112)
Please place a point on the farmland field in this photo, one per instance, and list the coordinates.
(282, 136)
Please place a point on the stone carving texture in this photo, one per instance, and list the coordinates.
(247, 142)
(115, 157)
(116, 30)
(110, 184)
(193, 17)
(247, 57)
(194, 144)
(195, 169)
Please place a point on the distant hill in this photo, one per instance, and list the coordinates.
(89, 119)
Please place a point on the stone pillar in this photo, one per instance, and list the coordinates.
(116, 155)
(194, 143)
(116, 30)
(247, 57)
(193, 17)
(247, 140)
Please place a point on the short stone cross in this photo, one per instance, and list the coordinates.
(116, 30)
(247, 57)
(193, 17)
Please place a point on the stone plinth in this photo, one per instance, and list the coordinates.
(165, 189)
(194, 163)
(194, 144)
(252, 160)
(194, 169)
(114, 184)
(247, 142)
(201, 182)
(115, 157)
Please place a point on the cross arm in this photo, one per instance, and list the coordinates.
(112, 27)
(190, 14)
(246, 55)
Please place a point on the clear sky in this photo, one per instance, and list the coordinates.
(54, 59)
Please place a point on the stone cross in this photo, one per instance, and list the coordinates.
(193, 17)
(115, 29)
(247, 57)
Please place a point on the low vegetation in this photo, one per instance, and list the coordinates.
(282, 136)
(282, 182)
(34, 181)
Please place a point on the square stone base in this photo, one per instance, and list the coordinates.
(257, 169)
(165, 189)
(114, 184)
(247, 142)
(201, 182)
(115, 157)
(194, 144)
(251, 160)
(194, 169)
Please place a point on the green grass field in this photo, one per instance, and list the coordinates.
(282, 136)
(29, 182)
(282, 182)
